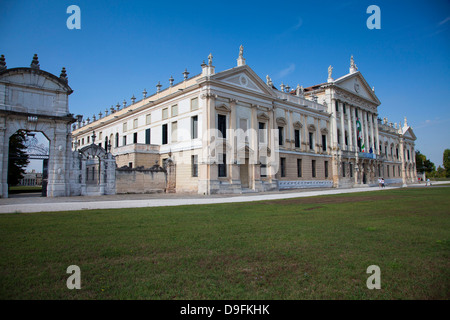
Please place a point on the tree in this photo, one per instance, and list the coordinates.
(423, 164)
(18, 158)
(446, 162)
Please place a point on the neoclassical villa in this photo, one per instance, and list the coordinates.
(232, 132)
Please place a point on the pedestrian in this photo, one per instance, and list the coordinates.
(382, 183)
(428, 182)
(379, 182)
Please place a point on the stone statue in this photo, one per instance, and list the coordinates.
(352, 64)
(330, 71)
(241, 51)
(210, 59)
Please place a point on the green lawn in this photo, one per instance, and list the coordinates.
(308, 248)
(22, 189)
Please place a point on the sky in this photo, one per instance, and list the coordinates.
(124, 47)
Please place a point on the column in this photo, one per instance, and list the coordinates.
(341, 110)
(253, 160)
(355, 132)
(349, 125)
(333, 131)
(376, 134)
(4, 149)
(402, 160)
(366, 131)
(318, 136)
(304, 134)
(372, 132)
(234, 172)
(290, 129)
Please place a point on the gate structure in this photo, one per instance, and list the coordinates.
(35, 100)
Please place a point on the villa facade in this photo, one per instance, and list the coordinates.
(232, 132)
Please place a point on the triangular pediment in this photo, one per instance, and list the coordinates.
(408, 133)
(245, 78)
(356, 84)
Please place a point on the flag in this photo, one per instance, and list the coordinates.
(360, 136)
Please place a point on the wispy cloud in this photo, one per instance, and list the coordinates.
(444, 21)
(428, 123)
(283, 73)
(294, 27)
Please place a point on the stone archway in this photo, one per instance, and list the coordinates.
(35, 100)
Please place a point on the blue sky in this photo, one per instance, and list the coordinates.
(126, 46)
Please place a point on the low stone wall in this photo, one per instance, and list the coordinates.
(141, 180)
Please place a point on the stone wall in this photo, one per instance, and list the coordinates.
(141, 180)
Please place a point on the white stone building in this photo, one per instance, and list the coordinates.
(232, 132)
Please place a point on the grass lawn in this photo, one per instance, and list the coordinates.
(22, 189)
(306, 248)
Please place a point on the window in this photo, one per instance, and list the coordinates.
(148, 119)
(283, 166)
(222, 125)
(343, 169)
(130, 165)
(135, 137)
(165, 113)
(135, 123)
(125, 127)
(324, 142)
(194, 104)
(408, 156)
(194, 165)
(337, 106)
(387, 170)
(351, 169)
(174, 131)
(117, 140)
(311, 141)
(343, 107)
(88, 139)
(297, 138)
(326, 169)
(263, 172)
(396, 153)
(262, 132)
(299, 168)
(313, 168)
(280, 136)
(338, 136)
(223, 166)
(124, 140)
(174, 110)
(164, 133)
(356, 113)
(194, 127)
(147, 136)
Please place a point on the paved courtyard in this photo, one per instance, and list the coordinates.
(24, 203)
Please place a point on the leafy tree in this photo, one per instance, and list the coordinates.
(440, 172)
(18, 158)
(424, 164)
(446, 162)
